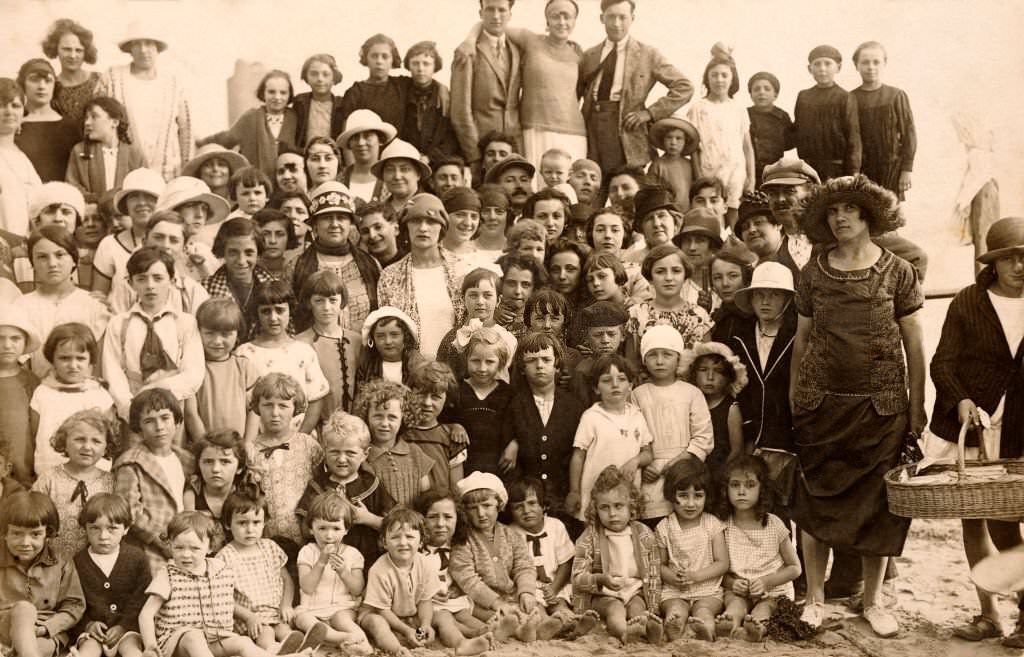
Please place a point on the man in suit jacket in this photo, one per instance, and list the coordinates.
(486, 82)
(614, 110)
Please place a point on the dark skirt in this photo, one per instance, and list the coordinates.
(845, 448)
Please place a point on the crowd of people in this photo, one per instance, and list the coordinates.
(502, 361)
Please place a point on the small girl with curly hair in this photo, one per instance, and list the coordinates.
(403, 468)
(220, 461)
(617, 568)
(762, 559)
(434, 390)
(84, 438)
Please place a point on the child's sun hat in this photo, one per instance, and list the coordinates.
(677, 121)
(661, 336)
(55, 193)
(700, 349)
(767, 276)
(13, 315)
(386, 312)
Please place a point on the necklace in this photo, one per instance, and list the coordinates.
(765, 334)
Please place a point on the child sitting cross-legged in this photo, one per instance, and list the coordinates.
(397, 607)
(494, 566)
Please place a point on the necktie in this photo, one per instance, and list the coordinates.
(499, 52)
(443, 553)
(80, 491)
(152, 356)
(604, 88)
(269, 450)
(534, 540)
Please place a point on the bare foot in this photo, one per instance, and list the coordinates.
(754, 629)
(586, 623)
(674, 626)
(549, 628)
(655, 629)
(724, 624)
(635, 627)
(527, 630)
(505, 628)
(738, 632)
(360, 648)
(702, 630)
(474, 646)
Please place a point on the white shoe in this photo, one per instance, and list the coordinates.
(882, 622)
(814, 614)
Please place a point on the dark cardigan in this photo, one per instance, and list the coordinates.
(301, 103)
(117, 599)
(973, 361)
(764, 402)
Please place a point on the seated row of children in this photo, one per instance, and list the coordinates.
(449, 570)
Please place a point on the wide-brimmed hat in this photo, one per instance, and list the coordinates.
(424, 206)
(649, 199)
(137, 31)
(139, 180)
(52, 193)
(234, 159)
(767, 276)
(14, 315)
(703, 222)
(186, 189)
(399, 149)
(677, 121)
(789, 171)
(328, 197)
(717, 349)
(482, 481)
(364, 120)
(1005, 237)
(514, 160)
(385, 312)
(879, 207)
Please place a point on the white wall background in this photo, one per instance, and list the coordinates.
(949, 55)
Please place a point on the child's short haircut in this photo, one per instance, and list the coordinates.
(424, 48)
(237, 227)
(705, 183)
(374, 207)
(280, 196)
(106, 505)
(331, 506)
(610, 479)
(30, 509)
(611, 3)
(378, 392)
(684, 473)
(487, 336)
(190, 521)
(473, 278)
(221, 314)
(756, 466)
(324, 283)
(268, 214)
(767, 77)
(78, 335)
(321, 58)
(242, 503)
(380, 39)
(546, 194)
(248, 177)
(664, 251)
(272, 293)
(627, 225)
(436, 377)
(869, 45)
(605, 260)
(93, 418)
(536, 341)
(547, 302)
(432, 496)
(401, 516)
(525, 229)
(604, 364)
(523, 486)
(164, 216)
(151, 400)
(140, 261)
(281, 386)
(59, 235)
(513, 259)
(345, 425)
(553, 153)
(221, 439)
(261, 88)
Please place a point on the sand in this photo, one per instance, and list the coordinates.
(933, 594)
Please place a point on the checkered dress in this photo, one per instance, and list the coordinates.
(755, 553)
(258, 583)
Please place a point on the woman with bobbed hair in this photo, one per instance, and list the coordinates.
(427, 125)
(381, 92)
(318, 111)
(72, 44)
(45, 137)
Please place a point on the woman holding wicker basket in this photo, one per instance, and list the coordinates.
(979, 383)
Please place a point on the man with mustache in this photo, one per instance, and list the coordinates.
(515, 175)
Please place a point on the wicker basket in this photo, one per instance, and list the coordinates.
(991, 500)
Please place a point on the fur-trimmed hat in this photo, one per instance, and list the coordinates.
(879, 207)
(717, 348)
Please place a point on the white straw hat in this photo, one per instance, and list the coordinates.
(364, 120)
(139, 180)
(767, 276)
(186, 189)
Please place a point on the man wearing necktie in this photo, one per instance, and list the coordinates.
(486, 83)
(615, 79)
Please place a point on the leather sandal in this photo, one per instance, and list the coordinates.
(979, 629)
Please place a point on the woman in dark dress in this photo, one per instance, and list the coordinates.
(72, 44)
(858, 314)
(381, 92)
(46, 137)
(427, 126)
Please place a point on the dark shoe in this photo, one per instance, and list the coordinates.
(979, 629)
(1015, 640)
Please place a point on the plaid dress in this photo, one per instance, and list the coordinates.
(258, 583)
(193, 602)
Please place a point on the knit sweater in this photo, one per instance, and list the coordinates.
(490, 570)
(254, 139)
